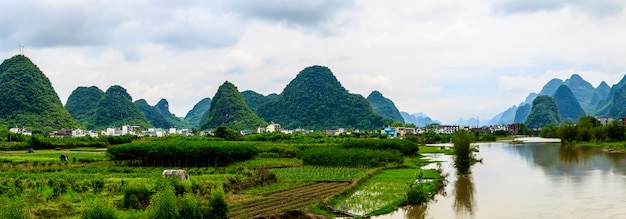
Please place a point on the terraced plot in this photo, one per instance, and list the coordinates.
(294, 199)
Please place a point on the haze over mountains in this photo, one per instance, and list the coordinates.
(314, 99)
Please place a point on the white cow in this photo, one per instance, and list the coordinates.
(181, 174)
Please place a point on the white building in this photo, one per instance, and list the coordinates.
(272, 127)
(20, 131)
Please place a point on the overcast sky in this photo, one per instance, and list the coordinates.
(448, 59)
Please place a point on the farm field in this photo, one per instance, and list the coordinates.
(271, 181)
(293, 199)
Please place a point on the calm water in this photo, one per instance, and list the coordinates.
(533, 180)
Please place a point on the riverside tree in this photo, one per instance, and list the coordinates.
(462, 151)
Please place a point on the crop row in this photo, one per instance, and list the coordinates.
(317, 173)
(296, 199)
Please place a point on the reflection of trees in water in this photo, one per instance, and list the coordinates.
(415, 211)
(568, 154)
(464, 195)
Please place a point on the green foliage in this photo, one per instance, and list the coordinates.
(316, 100)
(99, 209)
(82, 105)
(12, 209)
(417, 193)
(217, 205)
(227, 134)
(136, 195)
(188, 207)
(228, 108)
(567, 133)
(549, 131)
(615, 131)
(182, 153)
(384, 107)
(154, 117)
(116, 109)
(315, 173)
(568, 105)
(405, 146)
(163, 203)
(254, 99)
(338, 157)
(28, 98)
(545, 111)
(199, 113)
(462, 152)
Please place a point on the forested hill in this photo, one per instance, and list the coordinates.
(316, 100)
(545, 111)
(384, 106)
(163, 107)
(117, 109)
(82, 104)
(228, 108)
(254, 99)
(153, 115)
(199, 113)
(28, 99)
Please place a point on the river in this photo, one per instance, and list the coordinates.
(531, 180)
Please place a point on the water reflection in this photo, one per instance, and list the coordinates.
(415, 211)
(464, 192)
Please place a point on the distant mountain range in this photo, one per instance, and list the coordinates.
(314, 99)
(574, 97)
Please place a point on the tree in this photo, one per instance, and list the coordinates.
(217, 205)
(397, 124)
(462, 152)
(163, 203)
(615, 131)
(226, 133)
(567, 133)
(548, 131)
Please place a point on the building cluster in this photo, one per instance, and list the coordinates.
(274, 127)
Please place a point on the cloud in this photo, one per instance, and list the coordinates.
(313, 15)
(595, 8)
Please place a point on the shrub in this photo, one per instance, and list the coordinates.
(417, 193)
(218, 209)
(163, 203)
(99, 210)
(188, 207)
(136, 195)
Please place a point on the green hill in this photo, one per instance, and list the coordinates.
(384, 106)
(82, 104)
(569, 107)
(582, 90)
(28, 99)
(254, 99)
(163, 107)
(152, 114)
(545, 111)
(116, 109)
(199, 113)
(316, 100)
(228, 108)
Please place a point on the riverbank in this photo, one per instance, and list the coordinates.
(535, 140)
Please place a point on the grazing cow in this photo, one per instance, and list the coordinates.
(181, 174)
(63, 158)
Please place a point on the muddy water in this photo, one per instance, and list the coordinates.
(533, 180)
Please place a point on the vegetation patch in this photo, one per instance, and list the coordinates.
(339, 157)
(318, 173)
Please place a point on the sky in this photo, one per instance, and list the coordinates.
(448, 59)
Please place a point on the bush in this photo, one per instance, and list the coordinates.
(188, 207)
(136, 196)
(99, 210)
(417, 193)
(217, 206)
(163, 203)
